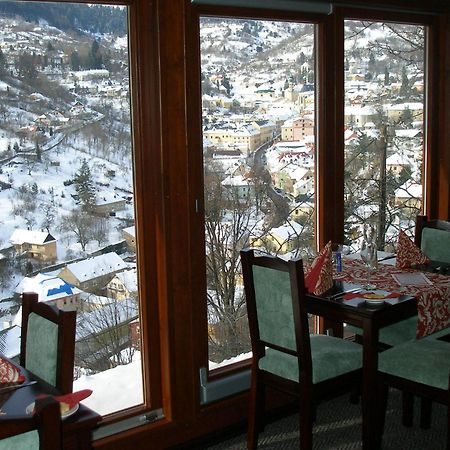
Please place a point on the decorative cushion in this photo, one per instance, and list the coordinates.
(42, 348)
(331, 357)
(408, 253)
(436, 244)
(319, 278)
(23, 441)
(425, 361)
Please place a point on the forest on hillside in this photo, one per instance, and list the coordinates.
(70, 16)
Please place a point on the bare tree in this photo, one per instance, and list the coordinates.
(105, 334)
(81, 224)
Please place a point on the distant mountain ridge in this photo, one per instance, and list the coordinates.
(68, 16)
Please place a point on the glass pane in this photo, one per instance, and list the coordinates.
(384, 132)
(66, 186)
(258, 88)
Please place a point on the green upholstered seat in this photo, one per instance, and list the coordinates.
(331, 357)
(435, 244)
(394, 334)
(425, 361)
(42, 348)
(24, 441)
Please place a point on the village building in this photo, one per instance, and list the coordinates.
(297, 129)
(397, 162)
(409, 195)
(51, 289)
(282, 239)
(107, 203)
(93, 274)
(39, 245)
(129, 234)
(123, 285)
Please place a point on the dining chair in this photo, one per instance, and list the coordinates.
(421, 367)
(39, 431)
(47, 344)
(433, 238)
(285, 356)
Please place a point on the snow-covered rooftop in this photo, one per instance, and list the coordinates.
(97, 266)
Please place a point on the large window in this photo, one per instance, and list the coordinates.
(384, 71)
(258, 103)
(66, 186)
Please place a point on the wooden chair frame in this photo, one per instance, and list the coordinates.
(423, 222)
(429, 393)
(46, 420)
(305, 390)
(66, 321)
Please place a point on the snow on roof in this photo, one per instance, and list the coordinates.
(97, 266)
(237, 180)
(398, 160)
(20, 237)
(48, 287)
(407, 133)
(409, 190)
(287, 231)
(130, 230)
(129, 279)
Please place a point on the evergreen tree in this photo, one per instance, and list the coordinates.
(404, 88)
(386, 77)
(2, 63)
(95, 56)
(84, 185)
(75, 62)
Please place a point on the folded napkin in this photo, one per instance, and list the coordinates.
(9, 373)
(408, 253)
(319, 278)
(74, 398)
(370, 295)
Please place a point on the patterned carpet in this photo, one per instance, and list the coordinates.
(338, 427)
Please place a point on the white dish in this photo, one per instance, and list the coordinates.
(375, 301)
(30, 408)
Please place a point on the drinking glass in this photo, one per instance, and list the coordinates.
(369, 252)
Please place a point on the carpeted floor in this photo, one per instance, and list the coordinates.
(338, 427)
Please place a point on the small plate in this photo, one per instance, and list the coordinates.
(375, 301)
(30, 408)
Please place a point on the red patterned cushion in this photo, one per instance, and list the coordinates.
(319, 279)
(9, 374)
(408, 253)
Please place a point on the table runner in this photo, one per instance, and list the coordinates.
(433, 301)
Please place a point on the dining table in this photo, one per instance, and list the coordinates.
(429, 299)
(76, 427)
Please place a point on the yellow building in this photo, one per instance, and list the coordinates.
(39, 245)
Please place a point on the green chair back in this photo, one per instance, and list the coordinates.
(274, 307)
(436, 244)
(42, 348)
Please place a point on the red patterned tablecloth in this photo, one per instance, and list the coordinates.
(433, 301)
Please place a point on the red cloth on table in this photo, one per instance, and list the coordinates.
(319, 278)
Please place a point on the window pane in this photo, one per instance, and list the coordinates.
(384, 132)
(66, 185)
(258, 87)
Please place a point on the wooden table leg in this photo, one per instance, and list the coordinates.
(371, 435)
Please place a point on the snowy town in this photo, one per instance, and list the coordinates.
(66, 171)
